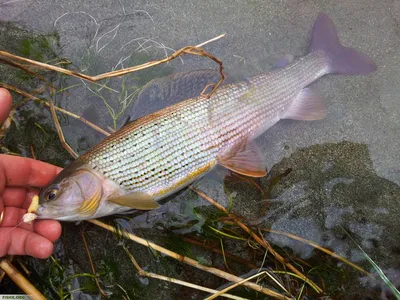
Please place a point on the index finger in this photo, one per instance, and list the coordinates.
(22, 171)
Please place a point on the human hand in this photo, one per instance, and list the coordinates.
(19, 176)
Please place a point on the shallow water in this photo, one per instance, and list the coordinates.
(327, 177)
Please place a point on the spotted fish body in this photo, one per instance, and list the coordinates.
(165, 151)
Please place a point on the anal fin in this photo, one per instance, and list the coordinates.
(307, 106)
(245, 159)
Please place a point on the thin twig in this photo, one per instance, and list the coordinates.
(189, 261)
(221, 292)
(218, 250)
(174, 280)
(17, 90)
(33, 151)
(60, 133)
(211, 40)
(259, 240)
(20, 280)
(315, 245)
(22, 265)
(83, 120)
(22, 67)
(186, 50)
(92, 265)
(30, 96)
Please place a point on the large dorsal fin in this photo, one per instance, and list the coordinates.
(166, 91)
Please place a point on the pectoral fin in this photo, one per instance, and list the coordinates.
(136, 200)
(245, 159)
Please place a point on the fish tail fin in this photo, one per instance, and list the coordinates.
(340, 59)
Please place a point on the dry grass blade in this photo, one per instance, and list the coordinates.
(22, 265)
(211, 40)
(17, 90)
(177, 281)
(33, 151)
(221, 292)
(190, 261)
(20, 280)
(60, 132)
(195, 50)
(83, 120)
(92, 265)
(22, 67)
(259, 240)
(316, 246)
(32, 97)
(219, 251)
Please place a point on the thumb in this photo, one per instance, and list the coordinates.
(5, 104)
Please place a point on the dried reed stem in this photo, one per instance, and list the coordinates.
(221, 292)
(92, 265)
(259, 240)
(22, 265)
(190, 261)
(219, 251)
(174, 280)
(20, 280)
(60, 133)
(22, 67)
(195, 50)
(30, 96)
(315, 245)
(33, 151)
(83, 120)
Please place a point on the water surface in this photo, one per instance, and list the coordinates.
(326, 178)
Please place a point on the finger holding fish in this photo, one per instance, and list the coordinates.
(19, 238)
(14, 203)
(25, 242)
(18, 178)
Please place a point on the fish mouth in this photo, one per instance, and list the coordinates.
(42, 212)
(59, 213)
(50, 213)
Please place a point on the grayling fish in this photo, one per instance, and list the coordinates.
(162, 152)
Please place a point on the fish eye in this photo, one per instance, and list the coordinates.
(51, 195)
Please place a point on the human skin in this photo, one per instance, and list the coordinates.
(20, 179)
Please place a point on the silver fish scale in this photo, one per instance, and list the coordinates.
(161, 152)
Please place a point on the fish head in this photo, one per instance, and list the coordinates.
(75, 194)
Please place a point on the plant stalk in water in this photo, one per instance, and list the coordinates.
(190, 261)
